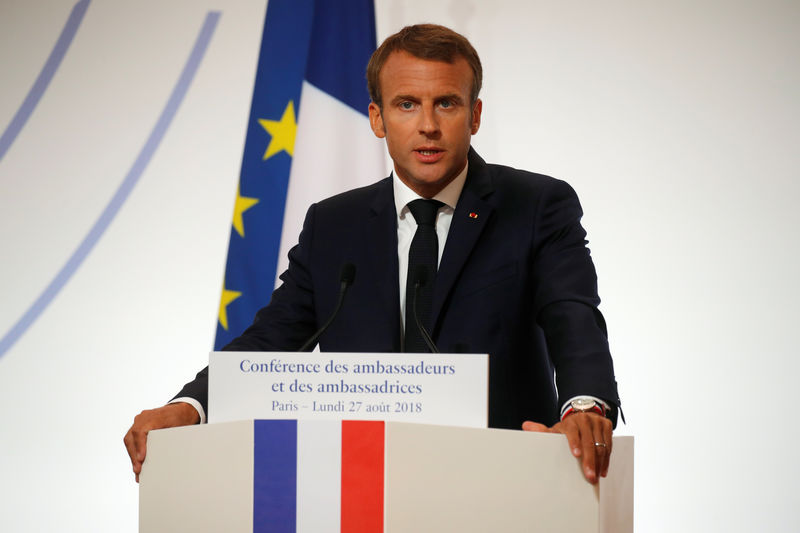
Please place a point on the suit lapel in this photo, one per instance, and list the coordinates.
(381, 246)
(469, 219)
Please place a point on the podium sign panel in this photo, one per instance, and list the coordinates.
(446, 389)
(373, 477)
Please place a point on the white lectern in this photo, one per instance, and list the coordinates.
(286, 475)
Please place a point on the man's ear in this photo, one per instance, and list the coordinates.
(376, 120)
(476, 116)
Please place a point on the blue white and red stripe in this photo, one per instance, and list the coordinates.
(318, 476)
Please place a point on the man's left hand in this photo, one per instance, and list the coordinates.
(586, 433)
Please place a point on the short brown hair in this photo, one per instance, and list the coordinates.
(425, 41)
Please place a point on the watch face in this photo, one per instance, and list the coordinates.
(583, 404)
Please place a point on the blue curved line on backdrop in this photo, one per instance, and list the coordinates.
(45, 76)
(113, 207)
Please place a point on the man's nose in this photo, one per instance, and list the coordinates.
(428, 121)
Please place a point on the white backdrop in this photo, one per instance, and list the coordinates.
(676, 122)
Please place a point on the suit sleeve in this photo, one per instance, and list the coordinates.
(566, 301)
(284, 324)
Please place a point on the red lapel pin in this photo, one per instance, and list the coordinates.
(473, 215)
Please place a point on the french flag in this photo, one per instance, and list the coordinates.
(318, 476)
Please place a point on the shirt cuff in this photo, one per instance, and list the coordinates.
(194, 403)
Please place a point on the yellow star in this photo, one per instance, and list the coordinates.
(243, 203)
(283, 132)
(227, 297)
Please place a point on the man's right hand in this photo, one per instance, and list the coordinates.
(171, 415)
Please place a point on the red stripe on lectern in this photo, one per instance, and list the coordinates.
(362, 477)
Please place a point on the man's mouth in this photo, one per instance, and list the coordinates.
(429, 155)
(428, 151)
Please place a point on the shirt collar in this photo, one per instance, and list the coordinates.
(448, 196)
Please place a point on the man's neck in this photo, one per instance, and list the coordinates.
(448, 195)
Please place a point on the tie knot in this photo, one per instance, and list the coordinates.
(424, 211)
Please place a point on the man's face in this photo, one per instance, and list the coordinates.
(427, 119)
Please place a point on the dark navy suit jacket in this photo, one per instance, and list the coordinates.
(515, 281)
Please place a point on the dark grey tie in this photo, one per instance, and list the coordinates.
(424, 251)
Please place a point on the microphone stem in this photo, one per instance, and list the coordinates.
(313, 340)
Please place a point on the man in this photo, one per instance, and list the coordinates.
(514, 277)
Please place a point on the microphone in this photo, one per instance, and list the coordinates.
(346, 277)
(420, 279)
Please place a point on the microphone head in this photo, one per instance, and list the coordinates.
(347, 274)
(420, 275)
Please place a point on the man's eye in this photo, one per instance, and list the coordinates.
(446, 103)
(406, 105)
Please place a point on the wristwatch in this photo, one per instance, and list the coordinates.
(584, 405)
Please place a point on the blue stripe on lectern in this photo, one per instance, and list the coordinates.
(124, 190)
(274, 476)
(45, 76)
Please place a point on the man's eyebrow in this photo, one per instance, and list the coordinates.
(403, 98)
(455, 97)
